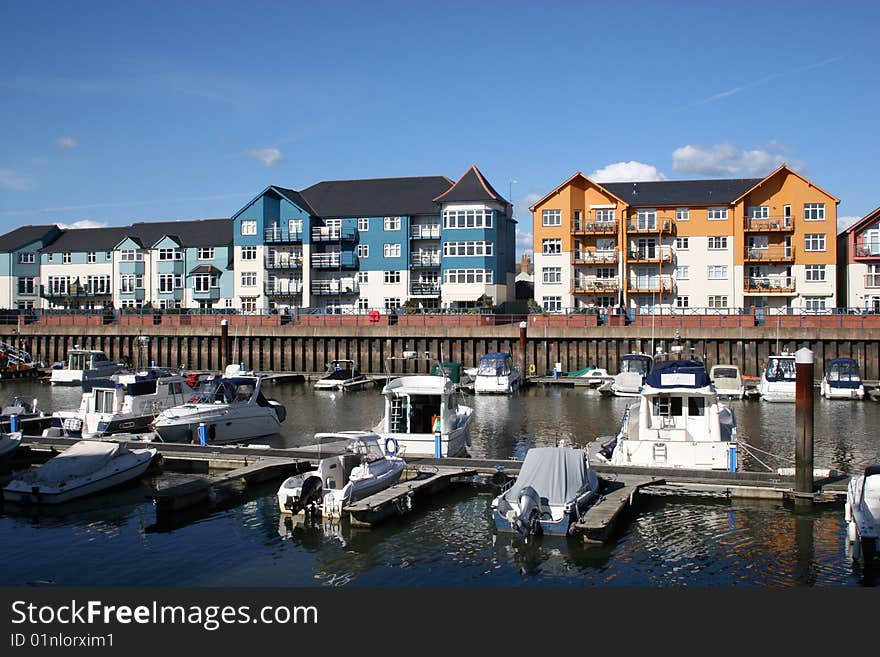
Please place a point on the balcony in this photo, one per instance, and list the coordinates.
(770, 224)
(872, 280)
(666, 226)
(71, 291)
(650, 285)
(769, 285)
(283, 288)
(425, 289)
(593, 257)
(584, 227)
(657, 254)
(335, 287)
(425, 232)
(593, 285)
(280, 235)
(284, 261)
(334, 260)
(867, 249)
(333, 234)
(423, 260)
(770, 254)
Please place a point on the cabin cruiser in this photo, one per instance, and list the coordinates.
(727, 381)
(842, 380)
(361, 470)
(497, 373)
(86, 467)
(553, 490)
(630, 377)
(862, 514)
(677, 423)
(778, 379)
(341, 375)
(83, 364)
(231, 408)
(126, 402)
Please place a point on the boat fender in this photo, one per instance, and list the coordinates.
(532, 369)
(391, 446)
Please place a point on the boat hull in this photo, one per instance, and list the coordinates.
(498, 385)
(222, 428)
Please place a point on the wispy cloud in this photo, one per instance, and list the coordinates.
(845, 222)
(122, 204)
(524, 241)
(66, 143)
(83, 223)
(17, 182)
(268, 156)
(727, 160)
(631, 171)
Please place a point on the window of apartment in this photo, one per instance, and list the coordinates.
(391, 303)
(551, 247)
(814, 304)
(814, 211)
(682, 243)
(552, 217)
(552, 304)
(814, 242)
(65, 258)
(455, 249)
(683, 273)
(207, 252)
(718, 301)
(130, 255)
(363, 277)
(101, 284)
(170, 254)
(26, 285)
(717, 214)
(576, 215)
(605, 244)
(462, 276)
(467, 219)
(169, 282)
(58, 285)
(758, 242)
(363, 251)
(717, 272)
(815, 273)
(606, 272)
(248, 227)
(682, 214)
(24, 305)
(131, 282)
(248, 278)
(605, 302)
(27, 258)
(108, 256)
(204, 282)
(391, 250)
(294, 226)
(605, 216)
(51, 258)
(390, 277)
(363, 224)
(130, 303)
(392, 223)
(682, 302)
(248, 304)
(91, 257)
(552, 275)
(165, 304)
(248, 253)
(363, 304)
(759, 212)
(718, 242)
(228, 303)
(647, 219)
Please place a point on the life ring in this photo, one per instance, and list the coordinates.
(532, 369)
(391, 446)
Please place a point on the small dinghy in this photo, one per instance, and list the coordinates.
(86, 467)
(362, 469)
(863, 514)
(553, 490)
(9, 442)
(342, 375)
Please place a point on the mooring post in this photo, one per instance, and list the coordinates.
(224, 344)
(522, 347)
(803, 476)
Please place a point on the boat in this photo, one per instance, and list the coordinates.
(9, 442)
(677, 423)
(86, 467)
(461, 377)
(842, 380)
(630, 376)
(360, 470)
(496, 373)
(83, 364)
(423, 417)
(125, 402)
(862, 514)
(777, 382)
(728, 381)
(554, 488)
(231, 407)
(341, 375)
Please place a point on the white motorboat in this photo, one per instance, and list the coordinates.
(231, 407)
(842, 380)
(341, 375)
(9, 442)
(727, 381)
(83, 364)
(553, 490)
(361, 470)
(677, 423)
(630, 376)
(778, 379)
(496, 373)
(862, 514)
(126, 402)
(86, 467)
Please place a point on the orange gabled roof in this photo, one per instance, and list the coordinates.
(790, 170)
(576, 175)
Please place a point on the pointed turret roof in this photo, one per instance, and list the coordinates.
(472, 186)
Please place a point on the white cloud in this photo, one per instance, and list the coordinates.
(268, 156)
(631, 171)
(10, 179)
(727, 160)
(84, 223)
(845, 222)
(524, 241)
(67, 142)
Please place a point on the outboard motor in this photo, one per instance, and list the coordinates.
(526, 522)
(280, 410)
(309, 494)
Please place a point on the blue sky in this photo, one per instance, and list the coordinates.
(119, 112)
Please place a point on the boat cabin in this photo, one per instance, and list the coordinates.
(222, 390)
(87, 359)
(843, 373)
(495, 364)
(638, 363)
(418, 405)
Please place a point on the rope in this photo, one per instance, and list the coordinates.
(746, 449)
(758, 449)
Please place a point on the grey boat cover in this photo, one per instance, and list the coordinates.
(558, 474)
(79, 460)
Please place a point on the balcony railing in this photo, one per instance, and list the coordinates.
(657, 254)
(593, 256)
(425, 232)
(333, 260)
(425, 259)
(770, 254)
(867, 249)
(332, 234)
(284, 261)
(872, 280)
(281, 288)
(80, 291)
(425, 289)
(650, 284)
(280, 235)
(659, 226)
(335, 286)
(593, 285)
(770, 285)
(770, 224)
(586, 227)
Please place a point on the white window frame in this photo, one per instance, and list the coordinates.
(248, 253)
(391, 223)
(248, 279)
(363, 250)
(468, 249)
(606, 216)
(363, 277)
(554, 242)
(66, 258)
(248, 227)
(168, 254)
(811, 271)
(27, 258)
(391, 277)
(683, 302)
(469, 276)
(682, 214)
(391, 250)
(717, 301)
(717, 243)
(363, 224)
(716, 273)
(646, 219)
(759, 212)
(391, 304)
(815, 304)
(552, 275)
(462, 219)
(815, 239)
(683, 272)
(814, 212)
(552, 304)
(206, 253)
(682, 244)
(716, 214)
(551, 217)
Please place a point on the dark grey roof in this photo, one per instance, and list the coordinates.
(378, 197)
(87, 239)
(472, 186)
(15, 239)
(681, 192)
(295, 197)
(194, 233)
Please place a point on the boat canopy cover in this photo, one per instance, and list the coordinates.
(80, 459)
(678, 374)
(495, 364)
(780, 368)
(843, 373)
(558, 474)
(640, 363)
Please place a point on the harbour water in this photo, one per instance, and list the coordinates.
(114, 539)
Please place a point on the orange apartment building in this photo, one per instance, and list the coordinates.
(764, 243)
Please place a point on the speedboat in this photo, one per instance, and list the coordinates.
(862, 514)
(83, 364)
(677, 423)
(778, 379)
(497, 373)
(86, 467)
(727, 381)
(9, 442)
(630, 376)
(126, 402)
(23, 409)
(842, 380)
(341, 375)
(226, 409)
(553, 490)
(361, 470)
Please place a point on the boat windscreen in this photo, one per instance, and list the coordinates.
(725, 373)
(369, 447)
(781, 369)
(494, 367)
(844, 371)
(637, 365)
